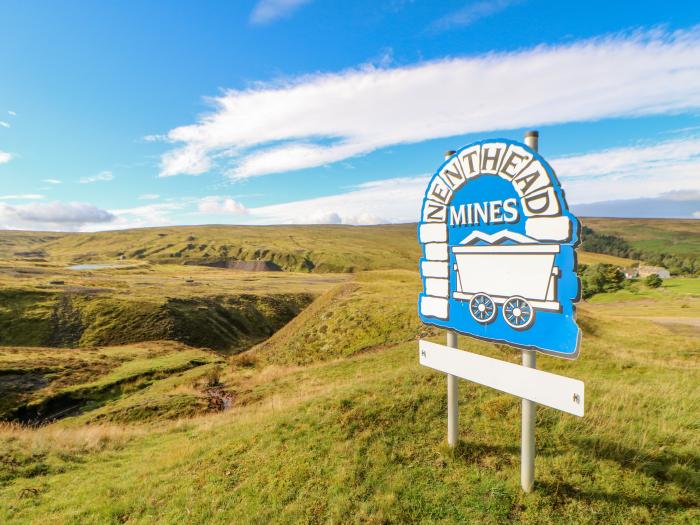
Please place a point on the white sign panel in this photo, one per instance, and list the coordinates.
(562, 393)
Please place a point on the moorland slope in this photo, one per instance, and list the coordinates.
(323, 414)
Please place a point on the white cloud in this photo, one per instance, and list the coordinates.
(12, 113)
(470, 13)
(682, 195)
(324, 118)
(154, 138)
(52, 181)
(221, 205)
(149, 197)
(5, 157)
(267, 11)
(390, 200)
(638, 172)
(22, 196)
(160, 214)
(192, 160)
(4, 124)
(101, 176)
(631, 172)
(51, 216)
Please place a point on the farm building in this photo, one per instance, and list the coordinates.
(634, 272)
(645, 271)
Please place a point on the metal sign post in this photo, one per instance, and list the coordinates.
(452, 398)
(452, 383)
(528, 408)
(499, 264)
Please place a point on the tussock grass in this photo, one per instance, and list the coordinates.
(63, 439)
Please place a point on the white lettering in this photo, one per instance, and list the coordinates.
(511, 210)
(491, 212)
(457, 217)
(495, 216)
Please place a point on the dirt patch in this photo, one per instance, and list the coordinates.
(246, 266)
(684, 325)
(218, 398)
(21, 383)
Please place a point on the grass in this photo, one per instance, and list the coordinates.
(318, 249)
(358, 436)
(596, 258)
(298, 248)
(45, 383)
(222, 309)
(348, 320)
(675, 236)
(332, 420)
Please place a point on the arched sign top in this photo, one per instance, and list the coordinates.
(498, 249)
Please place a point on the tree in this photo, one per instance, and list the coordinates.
(601, 278)
(653, 281)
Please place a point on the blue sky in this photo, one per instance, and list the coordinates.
(123, 114)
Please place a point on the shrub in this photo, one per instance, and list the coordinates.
(653, 281)
(601, 278)
(214, 376)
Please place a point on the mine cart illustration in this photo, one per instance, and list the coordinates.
(507, 269)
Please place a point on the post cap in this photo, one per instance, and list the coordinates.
(450, 152)
(532, 133)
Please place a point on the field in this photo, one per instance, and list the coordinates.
(330, 418)
(674, 236)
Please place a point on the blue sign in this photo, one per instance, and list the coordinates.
(498, 250)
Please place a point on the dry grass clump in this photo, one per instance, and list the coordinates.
(62, 439)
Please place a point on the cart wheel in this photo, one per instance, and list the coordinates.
(518, 313)
(482, 308)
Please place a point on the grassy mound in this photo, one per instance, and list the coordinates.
(222, 322)
(347, 320)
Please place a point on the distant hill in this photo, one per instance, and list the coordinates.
(675, 236)
(308, 248)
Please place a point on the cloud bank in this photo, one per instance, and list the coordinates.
(324, 118)
(390, 200)
(617, 182)
(52, 216)
(636, 172)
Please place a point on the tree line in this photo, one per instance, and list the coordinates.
(592, 241)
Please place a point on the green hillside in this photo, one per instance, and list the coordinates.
(317, 249)
(675, 236)
(360, 438)
(296, 397)
(294, 248)
(45, 304)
